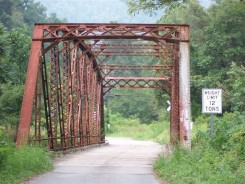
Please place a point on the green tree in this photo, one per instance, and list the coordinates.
(17, 13)
(54, 19)
(14, 53)
(32, 11)
(236, 87)
(133, 103)
(3, 53)
(20, 41)
(10, 92)
(6, 8)
(150, 6)
(224, 36)
(10, 102)
(222, 43)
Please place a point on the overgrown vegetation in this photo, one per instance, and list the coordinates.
(217, 158)
(18, 165)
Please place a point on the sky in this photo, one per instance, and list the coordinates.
(100, 11)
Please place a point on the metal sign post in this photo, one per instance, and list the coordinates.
(212, 104)
(212, 124)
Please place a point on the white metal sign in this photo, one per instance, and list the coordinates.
(169, 105)
(212, 101)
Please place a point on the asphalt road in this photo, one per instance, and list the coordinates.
(123, 161)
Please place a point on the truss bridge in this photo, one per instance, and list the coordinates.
(71, 69)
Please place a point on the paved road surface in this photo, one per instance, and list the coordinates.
(123, 161)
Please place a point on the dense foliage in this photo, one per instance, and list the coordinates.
(217, 44)
(149, 6)
(16, 21)
(17, 13)
(17, 165)
(217, 158)
(134, 103)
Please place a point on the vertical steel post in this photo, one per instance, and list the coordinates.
(38, 104)
(184, 88)
(65, 94)
(30, 86)
(174, 122)
(81, 97)
(84, 101)
(99, 96)
(54, 97)
(102, 123)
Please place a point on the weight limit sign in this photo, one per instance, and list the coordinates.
(212, 101)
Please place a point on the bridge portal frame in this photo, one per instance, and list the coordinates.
(170, 40)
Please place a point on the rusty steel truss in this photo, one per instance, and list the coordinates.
(68, 76)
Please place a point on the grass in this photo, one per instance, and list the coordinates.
(199, 166)
(123, 127)
(20, 164)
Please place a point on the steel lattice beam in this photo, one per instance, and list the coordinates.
(131, 67)
(126, 46)
(156, 32)
(135, 82)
